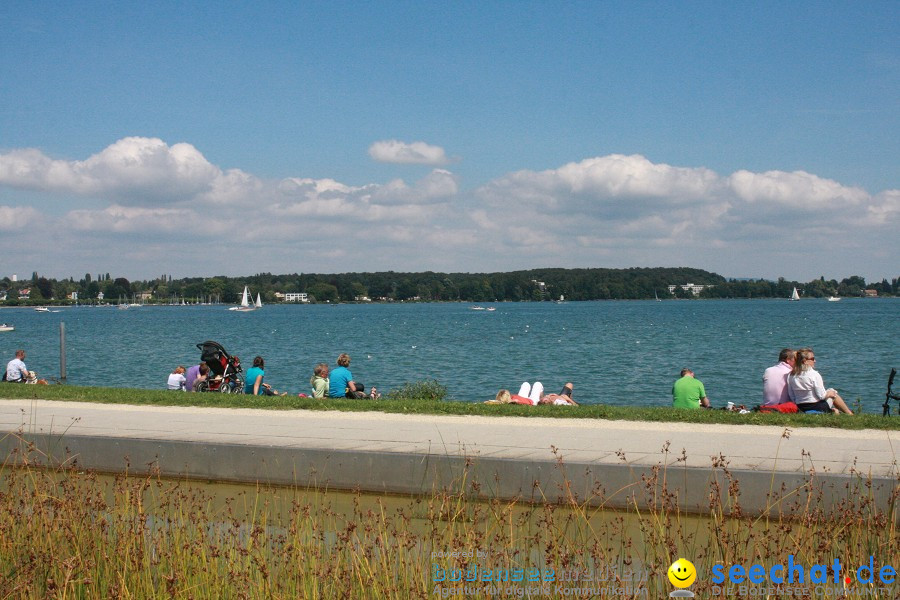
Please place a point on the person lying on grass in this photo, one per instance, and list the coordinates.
(532, 395)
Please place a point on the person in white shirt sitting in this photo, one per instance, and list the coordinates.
(16, 370)
(807, 390)
(176, 379)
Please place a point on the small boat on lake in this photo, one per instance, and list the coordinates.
(477, 307)
(834, 298)
(245, 305)
(794, 295)
(6, 327)
(41, 309)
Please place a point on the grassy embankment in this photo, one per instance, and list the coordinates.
(68, 533)
(429, 397)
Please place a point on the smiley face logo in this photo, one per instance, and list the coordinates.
(682, 573)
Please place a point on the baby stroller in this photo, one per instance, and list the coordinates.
(225, 372)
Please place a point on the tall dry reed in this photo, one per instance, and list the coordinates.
(67, 533)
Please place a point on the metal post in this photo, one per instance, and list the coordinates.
(62, 351)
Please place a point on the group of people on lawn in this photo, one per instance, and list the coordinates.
(325, 383)
(790, 386)
(338, 382)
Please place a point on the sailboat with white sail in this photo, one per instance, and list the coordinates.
(794, 295)
(245, 305)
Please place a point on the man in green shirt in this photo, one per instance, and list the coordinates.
(688, 392)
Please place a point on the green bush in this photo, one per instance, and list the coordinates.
(429, 389)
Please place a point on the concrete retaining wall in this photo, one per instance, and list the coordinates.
(611, 485)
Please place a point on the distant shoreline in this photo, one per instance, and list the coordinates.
(52, 304)
(549, 284)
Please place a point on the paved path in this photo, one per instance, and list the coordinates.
(404, 453)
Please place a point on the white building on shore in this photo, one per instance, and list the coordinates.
(693, 288)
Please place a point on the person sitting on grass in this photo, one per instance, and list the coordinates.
(688, 392)
(775, 379)
(176, 379)
(807, 389)
(195, 376)
(254, 383)
(16, 371)
(342, 385)
(319, 381)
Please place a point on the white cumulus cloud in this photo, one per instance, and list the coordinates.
(635, 177)
(418, 153)
(170, 205)
(886, 208)
(797, 188)
(18, 218)
(132, 170)
(437, 186)
(326, 197)
(147, 221)
(628, 206)
(607, 187)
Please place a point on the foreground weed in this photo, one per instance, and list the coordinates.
(73, 534)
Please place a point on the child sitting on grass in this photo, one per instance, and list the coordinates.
(319, 381)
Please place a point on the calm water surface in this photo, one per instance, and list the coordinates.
(626, 352)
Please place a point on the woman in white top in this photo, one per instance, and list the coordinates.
(807, 390)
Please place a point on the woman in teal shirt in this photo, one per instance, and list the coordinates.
(254, 382)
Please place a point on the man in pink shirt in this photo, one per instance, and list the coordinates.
(775, 379)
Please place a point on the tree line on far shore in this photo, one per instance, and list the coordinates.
(389, 286)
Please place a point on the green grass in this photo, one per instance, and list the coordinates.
(428, 398)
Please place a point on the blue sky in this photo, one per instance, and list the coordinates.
(228, 138)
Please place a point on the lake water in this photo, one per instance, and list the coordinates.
(615, 352)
